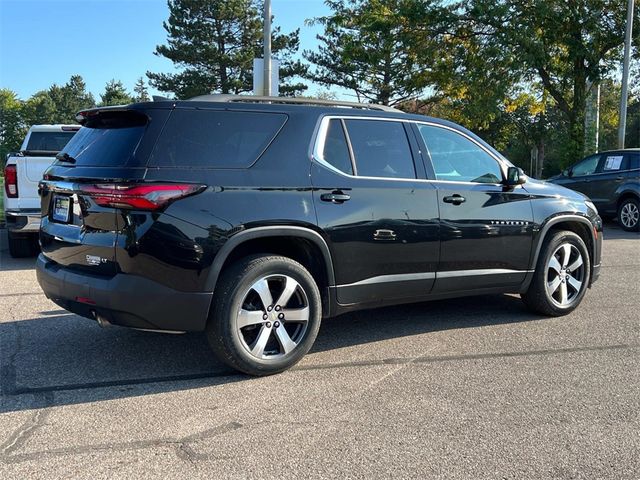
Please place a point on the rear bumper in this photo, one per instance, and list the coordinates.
(23, 221)
(125, 300)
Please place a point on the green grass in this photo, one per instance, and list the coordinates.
(1, 201)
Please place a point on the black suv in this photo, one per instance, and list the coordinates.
(252, 218)
(612, 181)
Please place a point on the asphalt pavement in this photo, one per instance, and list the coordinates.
(468, 388)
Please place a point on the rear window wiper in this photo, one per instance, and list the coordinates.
(65, 157)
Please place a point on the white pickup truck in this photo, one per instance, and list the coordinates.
(22, 173)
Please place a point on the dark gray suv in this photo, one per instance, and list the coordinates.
(612, 181)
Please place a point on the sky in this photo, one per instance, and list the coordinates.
(46, 41)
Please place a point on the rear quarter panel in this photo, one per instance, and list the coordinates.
(274, 191)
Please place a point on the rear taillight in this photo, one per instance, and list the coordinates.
(11, 181)
(139, 197)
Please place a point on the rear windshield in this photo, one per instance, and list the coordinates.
(107, 140)
(215, 139)
(48, 141)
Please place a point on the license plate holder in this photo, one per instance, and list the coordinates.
(61, 209)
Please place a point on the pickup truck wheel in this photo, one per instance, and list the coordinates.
(629, 215)
(561, 277)
(265, 316)
(22, 245)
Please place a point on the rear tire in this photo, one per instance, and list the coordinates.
(22, 245)
(266, 315)
(562, 275)
(629, 215)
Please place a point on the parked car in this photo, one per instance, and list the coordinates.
(22, 172)
(252, 218)
(612, 181)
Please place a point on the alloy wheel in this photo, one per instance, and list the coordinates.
(629, 215)
(565, 275)
(273, 317)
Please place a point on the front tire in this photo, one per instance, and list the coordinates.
(266, 315)
(561, 277)
(629, 215)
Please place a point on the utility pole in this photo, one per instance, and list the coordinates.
(267, 47)
(625, 76)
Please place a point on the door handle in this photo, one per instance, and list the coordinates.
(335, 197)
(384, 234)
(455, 199)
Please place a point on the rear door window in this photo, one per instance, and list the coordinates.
(613, 162)
(336, 150)
(215, 138)
(381, 149)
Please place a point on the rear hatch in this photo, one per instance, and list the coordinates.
(97, 172)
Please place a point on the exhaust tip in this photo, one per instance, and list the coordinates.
(102, 321)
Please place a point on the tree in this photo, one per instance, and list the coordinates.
(41, 109)
(141, 94)
(368, 46)
(12, 128)
(214, 42)
(58, 104)
(561, 45)
(115, 94)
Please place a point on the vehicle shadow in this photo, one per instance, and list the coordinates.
(60, 358)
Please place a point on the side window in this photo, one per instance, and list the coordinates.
(381, 149)
(458, 159)
(585, 167)
(614, 163)
(336, 150)
(215, 138)
(634, 161)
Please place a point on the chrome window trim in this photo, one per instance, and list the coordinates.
(321, 135)
(406, 277)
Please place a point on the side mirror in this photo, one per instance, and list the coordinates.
(515, 176)
(566, 172)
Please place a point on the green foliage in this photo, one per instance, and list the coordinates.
(12, 127)
(58, 104)
(382, 50)
(214, 42)
(561, 45)
(141, 94)
(115, 94)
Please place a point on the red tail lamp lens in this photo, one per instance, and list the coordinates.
(139, 197)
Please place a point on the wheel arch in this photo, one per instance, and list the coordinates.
(301, 244)
(578, 224)
(626, 195)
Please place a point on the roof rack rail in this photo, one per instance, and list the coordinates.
(225, 98)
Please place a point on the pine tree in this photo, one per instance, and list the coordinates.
(379, 49)
(115, 94)
(58, 104)
(214, 43)
(141, 94)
